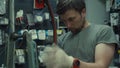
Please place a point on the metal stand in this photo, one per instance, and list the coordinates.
(11, 43)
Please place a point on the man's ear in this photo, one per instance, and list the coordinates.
(83, 12)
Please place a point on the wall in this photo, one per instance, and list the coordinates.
(96, 11)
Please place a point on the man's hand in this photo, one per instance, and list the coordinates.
(54, 57)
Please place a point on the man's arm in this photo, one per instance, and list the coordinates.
(103, 56)
(55, 57)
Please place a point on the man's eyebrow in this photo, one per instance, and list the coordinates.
(71, 17)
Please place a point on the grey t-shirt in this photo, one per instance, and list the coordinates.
(82, 45)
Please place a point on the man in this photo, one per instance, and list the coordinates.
(93, 45)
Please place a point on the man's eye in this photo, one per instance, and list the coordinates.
(71, 19)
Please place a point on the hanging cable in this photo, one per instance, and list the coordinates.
(53, 21)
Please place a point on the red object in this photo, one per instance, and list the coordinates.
(53, 21)
(76, 63)
(39, 4)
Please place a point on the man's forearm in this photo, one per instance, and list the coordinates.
(92, 65)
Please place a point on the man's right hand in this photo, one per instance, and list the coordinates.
(54, 57)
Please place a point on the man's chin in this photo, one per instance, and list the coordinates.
(75, 31)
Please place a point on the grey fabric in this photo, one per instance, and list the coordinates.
(82, 45)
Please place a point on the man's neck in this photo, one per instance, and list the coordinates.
(86, 24)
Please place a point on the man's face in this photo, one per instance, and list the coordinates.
(73, 20)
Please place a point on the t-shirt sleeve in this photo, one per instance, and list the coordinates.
(106, 35)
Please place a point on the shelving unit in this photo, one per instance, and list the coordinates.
(113, 7)
(3, 31)
(26, 45)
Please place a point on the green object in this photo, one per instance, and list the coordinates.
(31, 52)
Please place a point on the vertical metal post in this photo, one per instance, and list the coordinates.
(11, 44)
(11, 16)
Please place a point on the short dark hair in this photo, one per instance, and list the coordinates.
(64, 5)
